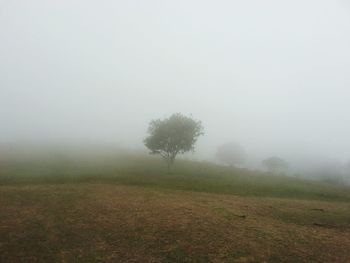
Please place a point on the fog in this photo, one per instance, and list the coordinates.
(270, 75)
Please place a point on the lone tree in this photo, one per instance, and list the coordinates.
(231, 154)
(173, 135)
(275, 164)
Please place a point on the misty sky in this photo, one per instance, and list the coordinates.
(271, 75)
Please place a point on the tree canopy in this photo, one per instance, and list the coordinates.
(171, 136)
(275, 164)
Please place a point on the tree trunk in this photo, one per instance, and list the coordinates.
(170, 162)
(168, 166)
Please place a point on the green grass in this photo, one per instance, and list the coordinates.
(127, 208)
(145, 171)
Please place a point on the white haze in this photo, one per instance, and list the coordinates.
(272, 75)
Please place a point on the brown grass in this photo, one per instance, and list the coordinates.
(114, 223)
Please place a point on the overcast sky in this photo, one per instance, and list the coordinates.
(271, 75)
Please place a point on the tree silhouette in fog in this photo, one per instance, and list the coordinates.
(275, 164)
(172, 136)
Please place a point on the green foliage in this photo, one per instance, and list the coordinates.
(171, 136)
(275, 164)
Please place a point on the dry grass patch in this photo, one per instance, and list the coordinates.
(113, 223)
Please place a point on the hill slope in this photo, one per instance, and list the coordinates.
(146, 171)
(92, 222)
(128, 209)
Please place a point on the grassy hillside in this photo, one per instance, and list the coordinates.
(94, 222)
(126, 208)
(145, 171)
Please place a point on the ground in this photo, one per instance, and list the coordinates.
(98, 222)
(127, 208)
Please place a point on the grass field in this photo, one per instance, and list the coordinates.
(128, 209)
